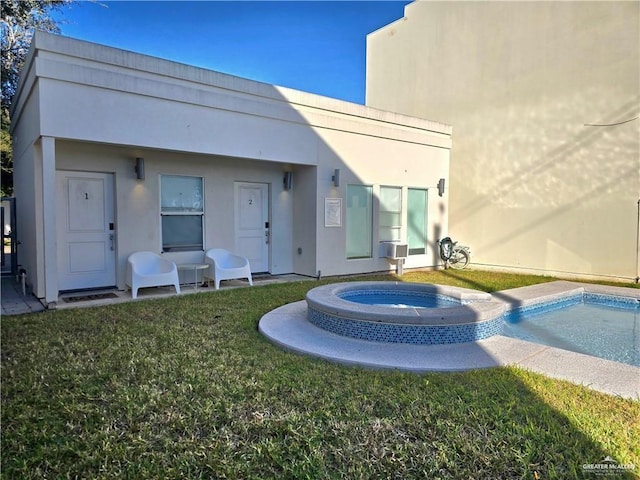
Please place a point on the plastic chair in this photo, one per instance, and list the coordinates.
(148, 269)
(223, 265)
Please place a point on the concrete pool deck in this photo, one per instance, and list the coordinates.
(288, 327)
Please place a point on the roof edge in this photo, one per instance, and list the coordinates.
(142, 62)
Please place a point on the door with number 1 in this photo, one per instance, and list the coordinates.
(252, 235)
(86, 230)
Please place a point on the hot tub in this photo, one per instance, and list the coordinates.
(398, 312)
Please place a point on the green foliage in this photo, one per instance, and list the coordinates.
(186, 387)
(6, 157)
(20, 18)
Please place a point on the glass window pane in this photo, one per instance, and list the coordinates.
(390, 215)
(181, 194)
(390, 219)
(359, 221)
(391, 199)
(417, 218)
(181, 232)
(390, 234)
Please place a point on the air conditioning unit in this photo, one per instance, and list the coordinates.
(394, 250)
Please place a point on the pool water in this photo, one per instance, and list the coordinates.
(611, 332)
(399, 299)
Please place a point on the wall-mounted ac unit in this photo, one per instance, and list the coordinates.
(394, 250)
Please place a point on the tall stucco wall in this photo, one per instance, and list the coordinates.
(532, 185)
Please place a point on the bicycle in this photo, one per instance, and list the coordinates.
(454, 255)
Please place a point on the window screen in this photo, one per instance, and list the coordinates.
(182, 212)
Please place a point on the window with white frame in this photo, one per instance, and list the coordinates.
(181, 212)
(417, 221)
(390, 215)
(359, 221)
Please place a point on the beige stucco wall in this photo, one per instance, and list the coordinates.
(532, 186)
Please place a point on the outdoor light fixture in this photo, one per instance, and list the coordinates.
(288, 180)
(441, 187)
(336, 177)
(139, 168)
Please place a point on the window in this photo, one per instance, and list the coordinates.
(390, 221)
(359, 221)
(182, 213)
(417, 221)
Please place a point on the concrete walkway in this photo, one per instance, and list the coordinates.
(14, 302)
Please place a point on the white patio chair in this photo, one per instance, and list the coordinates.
(148, 269)
(223, 265)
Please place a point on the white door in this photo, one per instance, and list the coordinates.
(252, 224)
(86, 230)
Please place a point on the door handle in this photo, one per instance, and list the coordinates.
(111, 241)
(267, 236)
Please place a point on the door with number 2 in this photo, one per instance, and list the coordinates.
(252, 235)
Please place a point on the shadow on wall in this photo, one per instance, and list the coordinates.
(530, 180)
(536, 178)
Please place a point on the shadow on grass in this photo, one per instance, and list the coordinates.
(185, 387)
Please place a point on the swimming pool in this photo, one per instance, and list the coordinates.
(290, 327)
(399, 299)
(598, 325)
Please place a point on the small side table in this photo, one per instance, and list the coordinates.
(195, 267)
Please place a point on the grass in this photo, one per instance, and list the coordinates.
(186, 387)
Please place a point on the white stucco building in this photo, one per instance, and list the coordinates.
(544, 98)
(224, 162)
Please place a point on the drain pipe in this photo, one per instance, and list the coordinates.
(22, 279)
(638, 245)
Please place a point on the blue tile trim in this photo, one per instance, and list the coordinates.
(611, 300)
(593, 298)
(546, 306)
(398, 333)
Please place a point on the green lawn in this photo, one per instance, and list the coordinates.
(186, 387)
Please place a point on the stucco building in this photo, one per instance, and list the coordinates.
(117, 152)
(544, 100)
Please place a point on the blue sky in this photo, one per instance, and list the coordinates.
(314, 46)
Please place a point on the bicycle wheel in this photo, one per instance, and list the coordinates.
(459, 259)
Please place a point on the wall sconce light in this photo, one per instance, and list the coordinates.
(288, 180)
(336, 177)
(139, 168)
(441, 187)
